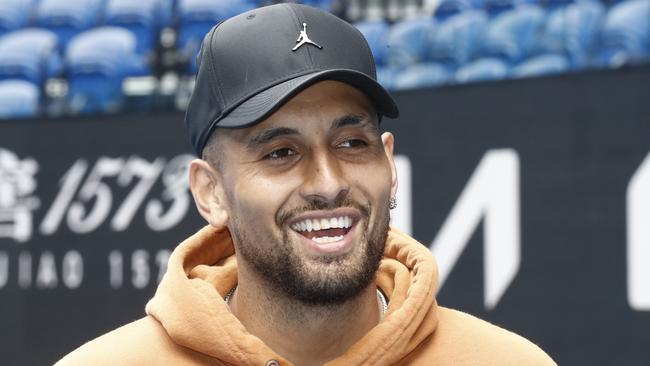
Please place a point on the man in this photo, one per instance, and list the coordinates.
(298, 264)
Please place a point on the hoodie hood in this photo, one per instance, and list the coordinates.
(190, 307)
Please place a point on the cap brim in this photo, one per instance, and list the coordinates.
(260, 106)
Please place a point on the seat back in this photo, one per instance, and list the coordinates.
(68, 18)
(143, 17)
(410, 42)
(626, 33)
(14, 15)
(97, 61)
(458, 38)
(30, 54)
(18, 99)
(513, 34)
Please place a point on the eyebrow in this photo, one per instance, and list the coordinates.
(270, 134)
(348, 120)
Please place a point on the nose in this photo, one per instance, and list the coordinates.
(324, 179)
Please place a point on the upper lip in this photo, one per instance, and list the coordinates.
(351, 212)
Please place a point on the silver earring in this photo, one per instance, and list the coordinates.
(392, 203)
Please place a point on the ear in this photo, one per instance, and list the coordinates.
(207, 189)
(388, 140)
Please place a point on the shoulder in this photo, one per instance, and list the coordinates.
(142, 342)
(463, 339)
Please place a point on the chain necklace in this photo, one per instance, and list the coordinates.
(380, 297)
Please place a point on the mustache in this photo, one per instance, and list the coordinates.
(319, 203)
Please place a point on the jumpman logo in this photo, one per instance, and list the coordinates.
(304, 38)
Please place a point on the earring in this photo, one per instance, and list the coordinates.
(392, 203)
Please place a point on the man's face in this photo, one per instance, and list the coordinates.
(306, 193)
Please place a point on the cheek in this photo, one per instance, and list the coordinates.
(375, 179)
(258, 197)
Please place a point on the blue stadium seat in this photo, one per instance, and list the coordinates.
(483, 69)
(496, 7)
(421, 76)
(385, 77)
(197, 17)
(512, 35)
(542, 65)
(18, 99)
(457, 39)
(29, 54)
(573, 30)
(67, 18)
(409, 42)
(376, 33)
(448, 8)
(97, 61)
(145, 18)
(14, 15)
(626, 34)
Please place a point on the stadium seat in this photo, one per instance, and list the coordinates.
(376, 33)
(573, 30)
(385, 77)
(483, 69)
(421, 76)
(626, 34)
(496, 7)
(97, 61)
(145, 18)
(512, 35)
(14, 15)
(457, 38)
(67, 18)
(18, 99)
(29, 54)
(197, 17)
(409, 42)
(448, 8)
(542, 65)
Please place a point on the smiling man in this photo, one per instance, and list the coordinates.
(298, 264)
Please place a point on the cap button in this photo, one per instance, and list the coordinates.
(272, 363)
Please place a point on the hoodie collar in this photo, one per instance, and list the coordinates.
(189, 303)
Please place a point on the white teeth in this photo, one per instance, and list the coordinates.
(323, 224)
(327, 239)
(334, 222)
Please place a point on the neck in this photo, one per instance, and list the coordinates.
(302, 333)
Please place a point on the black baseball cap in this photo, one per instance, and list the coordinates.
(251, 64)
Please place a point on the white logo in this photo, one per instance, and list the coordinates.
(492, 194)
(304, 38)
(17, 183)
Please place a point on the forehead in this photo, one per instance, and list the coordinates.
(313, 109)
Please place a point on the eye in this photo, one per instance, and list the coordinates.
(282, 153)
(352, 143)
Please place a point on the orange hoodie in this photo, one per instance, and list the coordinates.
(188, 322)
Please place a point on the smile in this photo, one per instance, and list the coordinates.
(326, 232)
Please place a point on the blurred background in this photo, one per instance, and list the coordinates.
(522, 154)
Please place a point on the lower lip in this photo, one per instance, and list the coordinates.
(337, 247)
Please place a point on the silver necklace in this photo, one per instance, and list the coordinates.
(380, 297)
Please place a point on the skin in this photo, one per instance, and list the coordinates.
(328, 155)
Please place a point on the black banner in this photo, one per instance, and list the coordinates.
(534, 195)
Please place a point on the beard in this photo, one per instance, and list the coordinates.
(325, 280)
